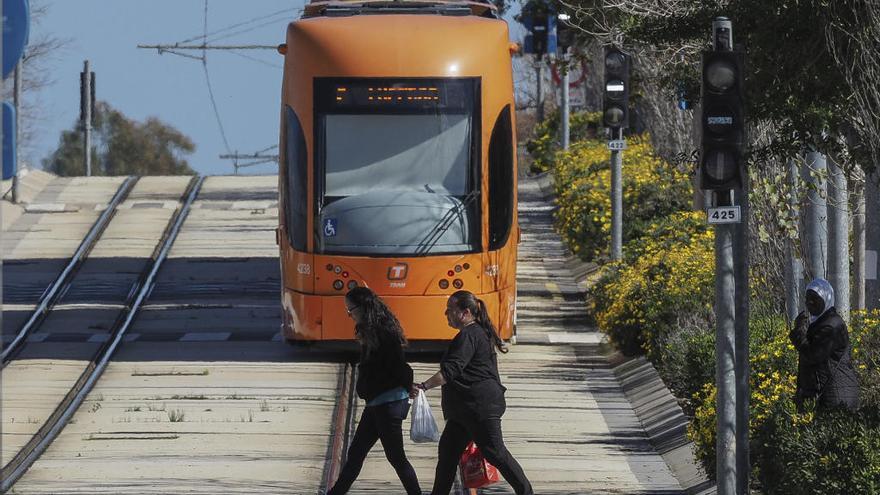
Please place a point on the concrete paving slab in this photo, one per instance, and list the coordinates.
(169, 427)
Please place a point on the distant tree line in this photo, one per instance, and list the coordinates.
(122, 146)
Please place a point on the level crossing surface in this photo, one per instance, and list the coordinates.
(205, 399)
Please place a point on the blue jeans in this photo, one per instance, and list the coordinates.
(381, 422)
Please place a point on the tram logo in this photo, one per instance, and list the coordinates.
(398, 271)
(330, 227)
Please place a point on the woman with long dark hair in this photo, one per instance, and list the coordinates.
(384, 380)
(472, 395)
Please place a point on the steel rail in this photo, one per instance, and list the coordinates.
(50, 296)
(74, 398)
(340, 428)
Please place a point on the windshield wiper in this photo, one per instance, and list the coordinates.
(443, 225)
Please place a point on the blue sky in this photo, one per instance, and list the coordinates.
(140, 83)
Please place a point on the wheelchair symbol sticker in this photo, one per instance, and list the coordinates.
(330, 227)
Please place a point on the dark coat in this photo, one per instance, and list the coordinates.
(825, 370)
(383, 369)
(470, 367)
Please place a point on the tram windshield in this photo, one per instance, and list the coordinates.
(397, 171)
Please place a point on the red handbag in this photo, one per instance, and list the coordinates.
(476, 471)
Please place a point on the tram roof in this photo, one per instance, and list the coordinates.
(344, 8)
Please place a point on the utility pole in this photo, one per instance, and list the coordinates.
(16, 101)
(816, 215)
(794, 268)
(858, 300)
(838, 237)
(87, 105)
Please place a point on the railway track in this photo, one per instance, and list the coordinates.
(205, 400)
(99, 359)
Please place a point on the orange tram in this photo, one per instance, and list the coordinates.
(398, 169)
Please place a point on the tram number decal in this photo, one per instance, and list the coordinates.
(492, 270)
(304, 268)
(330, 227)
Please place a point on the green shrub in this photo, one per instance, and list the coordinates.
(544, 146)
(830, 452)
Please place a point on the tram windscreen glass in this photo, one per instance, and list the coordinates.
(406, 143)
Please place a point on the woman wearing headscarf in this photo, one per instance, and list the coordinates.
(825, 371)
(472, 395)
(384, 380)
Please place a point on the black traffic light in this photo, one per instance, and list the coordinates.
(722, 160)
(615, 107)
(564, 32)
(538, 33)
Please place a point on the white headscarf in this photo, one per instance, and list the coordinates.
(821, 287)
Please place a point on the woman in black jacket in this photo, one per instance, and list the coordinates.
(825, 371)
(384, 380)
(472, 395)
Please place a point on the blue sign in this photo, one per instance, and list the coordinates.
(9, 155)
(330, 227)
(16, 26)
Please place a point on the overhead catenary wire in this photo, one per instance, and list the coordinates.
(233, 26)
(210, 88)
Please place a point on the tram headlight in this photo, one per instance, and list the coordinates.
(338, 285)
(444, 284)
(352, 284)
(457, 283)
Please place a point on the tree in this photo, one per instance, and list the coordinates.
(797, 94)
(122, 146)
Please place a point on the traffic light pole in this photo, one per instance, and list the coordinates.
(741, 340)
(566, 133)
(616, 134)
(725, 363)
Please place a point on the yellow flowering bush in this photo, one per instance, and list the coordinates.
(667, 281)
(865, 332)
(544, 146)
(652, 189)
(805, 452)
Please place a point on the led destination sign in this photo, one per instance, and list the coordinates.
(394, 95)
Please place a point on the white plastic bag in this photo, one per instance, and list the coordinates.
(424, 428)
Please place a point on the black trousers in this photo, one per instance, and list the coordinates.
(486, 433)
(382, 422)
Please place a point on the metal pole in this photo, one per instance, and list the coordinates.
(838, 237)
(540, 76)
(16, 101)
(725, 372)
(616, 198)
(794, 268)
(86, 78)
(741, 340)
(872, 240)
(817, 213)
(727, 277)
(859, 246)
(565, 106)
